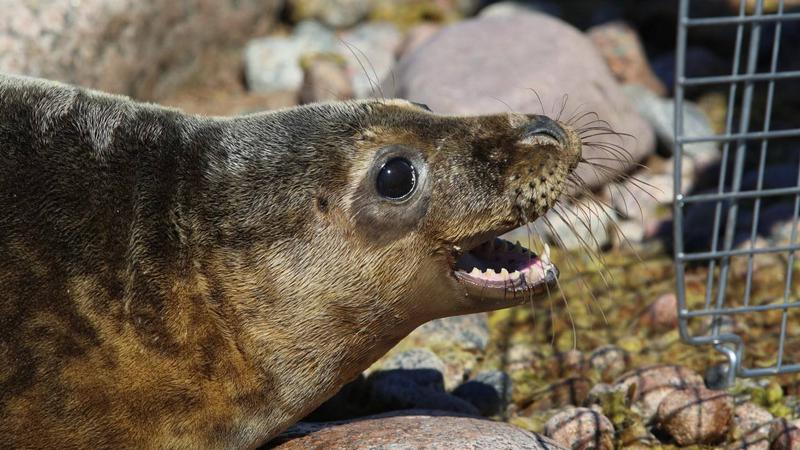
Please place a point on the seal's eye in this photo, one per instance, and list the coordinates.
(396, 179)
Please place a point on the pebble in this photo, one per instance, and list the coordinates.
(752, 424)
(370, 51)
(418, 358)
(401, 430)
(512, 8)
(653, 383)
(581, 428)
(571, 391)
(489, 391)
(662, 314)
(273, 63)
(493, 65)
(620, 45)
(325, 79)
(695, 416)
(785, 435)
(333, 13)
(609, 361)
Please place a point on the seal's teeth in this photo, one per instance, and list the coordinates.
(457, 248)
(490, 273)
(515, 275)
(503, 274)
(518, 247)
(476, 272)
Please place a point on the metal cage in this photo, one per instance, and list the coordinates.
(754, 137)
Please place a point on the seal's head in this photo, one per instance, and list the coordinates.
(381, 215)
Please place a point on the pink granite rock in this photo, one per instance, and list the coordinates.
(495, 64)
(581, 429)
(696, 416)
(140, 48)
(412, 430)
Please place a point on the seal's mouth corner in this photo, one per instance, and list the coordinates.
(499, 270)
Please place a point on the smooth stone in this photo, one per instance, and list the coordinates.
(142, 48)
(414, 429)
(695, 416)
(273, 63)
(581, 429)
(493, 65)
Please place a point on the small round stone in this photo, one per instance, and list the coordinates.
(581, 429)
(695, 415)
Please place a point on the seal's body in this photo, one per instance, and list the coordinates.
(178, 281)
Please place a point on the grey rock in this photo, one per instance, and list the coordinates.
(325, 79)
(391, 390)
(494, 64)
(414, 429)
(119, 45)
(273, 63)
(418, 358)
(470, 332)
(609, 361)
(370, 52)
(334, 13)
(660, 113)
(490, 392)
(584, 225)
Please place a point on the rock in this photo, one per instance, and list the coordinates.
(662, 314)
(406, 13)
(584, 225)
(490, 392)
(512, 8)
(325, 79)
(333, 13)
(469, 331)
(458, 341)
(418, 358)
(491, 65)
(416, 37)
(571, 391)
(660, 113)
(622, 49)
(370, 53)
(609, 361)
(653, 383)
(392, 390)
(628, 232)
(410, 430)
(119, 45)
(273, 63)
(785, 435)
(695, 416)
(752, 425)
(581, 428)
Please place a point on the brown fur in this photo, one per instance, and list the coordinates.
(176, 281)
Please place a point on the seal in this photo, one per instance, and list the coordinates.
(178, 281)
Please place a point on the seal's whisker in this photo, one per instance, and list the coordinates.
(564, 100)
(374, 85)
(593, 254)
(541, 104)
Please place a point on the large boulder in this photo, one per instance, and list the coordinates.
(410, 430)
(497, 64)
(135, 47)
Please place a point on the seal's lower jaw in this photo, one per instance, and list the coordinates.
(500, 271)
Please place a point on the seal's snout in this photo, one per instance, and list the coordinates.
(543, 126)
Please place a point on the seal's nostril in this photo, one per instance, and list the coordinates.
(542, 125)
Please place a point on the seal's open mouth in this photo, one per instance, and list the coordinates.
(498, 269)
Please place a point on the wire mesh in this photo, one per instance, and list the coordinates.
(720, 285)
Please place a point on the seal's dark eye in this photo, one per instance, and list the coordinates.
(397, 179)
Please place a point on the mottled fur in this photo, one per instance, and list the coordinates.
(178, 281)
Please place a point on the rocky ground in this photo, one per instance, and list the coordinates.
(601, 363)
